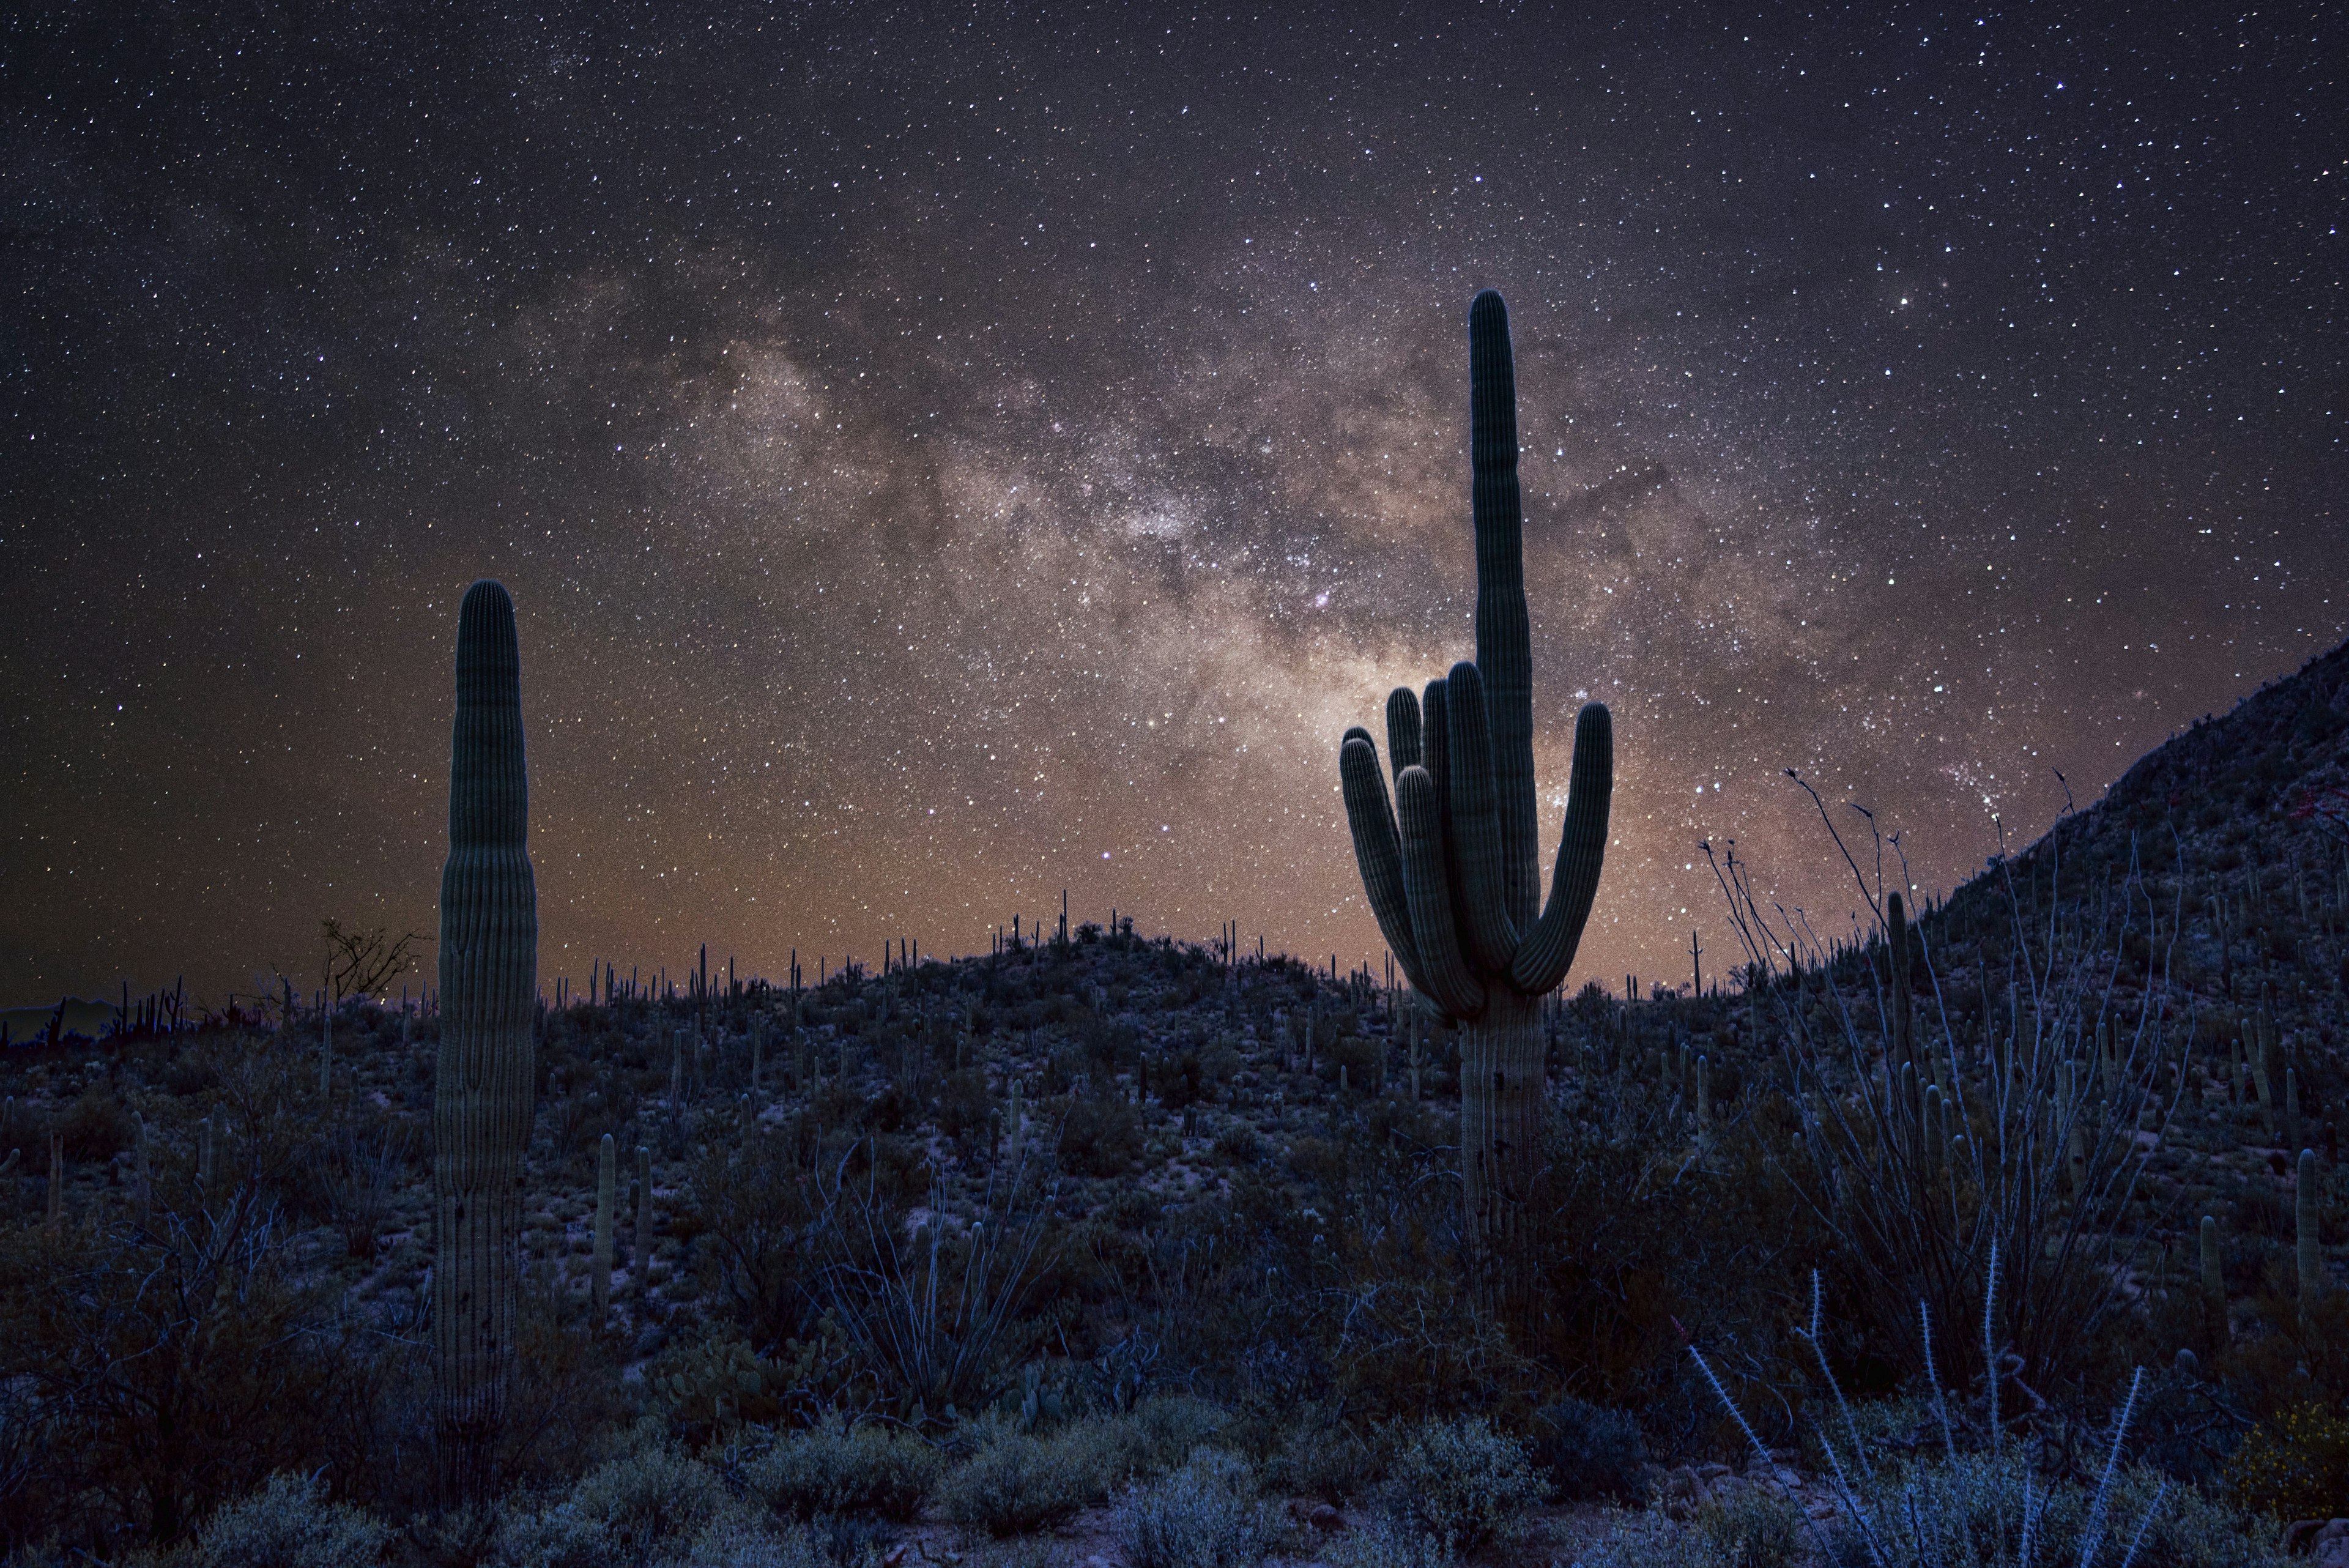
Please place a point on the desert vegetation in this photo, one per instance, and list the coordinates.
(1997, 1227)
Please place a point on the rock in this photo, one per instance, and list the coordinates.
(1681, 1491)
(2327, 1540)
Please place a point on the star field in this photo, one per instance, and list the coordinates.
(944, 454)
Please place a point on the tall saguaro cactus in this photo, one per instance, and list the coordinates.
(1456, 883)
(482, 1099)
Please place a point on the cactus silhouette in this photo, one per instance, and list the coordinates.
(2214, 1285)
(2309, 1252)
(1455, 882)
(606, 1178)
(481, 1096)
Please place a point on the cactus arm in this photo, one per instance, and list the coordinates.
(1377, 850)
(1402, 728)
(1491, 940)
(1435, 756)
(1503, 629)
(1436, 747)
(1542, 961)
(1425, 887)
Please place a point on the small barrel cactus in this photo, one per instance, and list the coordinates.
(1455, 881)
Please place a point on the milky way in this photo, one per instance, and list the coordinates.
(943, 456)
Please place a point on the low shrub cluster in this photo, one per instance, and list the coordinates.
(1204, 1514)
(1464, 1485)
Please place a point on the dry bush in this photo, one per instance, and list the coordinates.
(836, 1469)
(289, 1524)
(1463, 1484)
(1206, 1514)
(177, 1361)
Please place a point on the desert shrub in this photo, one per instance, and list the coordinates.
(737, 1543)
(1587, 1451)
(1102, 1135)
(96, 1126)
(166, 1369)
(1464, 1483)
(1237, 1144)
(1013, 1485)
(1206, 1514)
(2294, 1467)
(1017, 1482)
(1323, 1458)
(639, 1509)
(835, 1468)
(1385, 1543)
(288, 1523)
(1752, 1527)
(1172, 1425)
(966, 1106)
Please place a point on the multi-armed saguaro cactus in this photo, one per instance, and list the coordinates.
(1457, 889)
(482, 1100)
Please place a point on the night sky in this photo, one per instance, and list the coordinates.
(941, 455)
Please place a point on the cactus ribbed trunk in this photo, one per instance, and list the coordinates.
(607, 1176)
(2214, 1285)
(641, 1261)
(2304, 1217)
(1500, 1115)
(482, 1098)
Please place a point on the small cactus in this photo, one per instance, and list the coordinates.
(2214, 1284)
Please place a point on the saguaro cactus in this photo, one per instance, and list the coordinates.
(640, 1260)
(607, 1178)
(1457, 888)
(482, 1099)
(2214, 1284)
(2304, 1217)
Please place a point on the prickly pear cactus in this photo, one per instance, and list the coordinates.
(1455, 881)
(713, 1387)
(482, 1090)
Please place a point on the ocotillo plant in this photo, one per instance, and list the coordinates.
(607, 1177)
(482, 1097)
(1457, 889)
